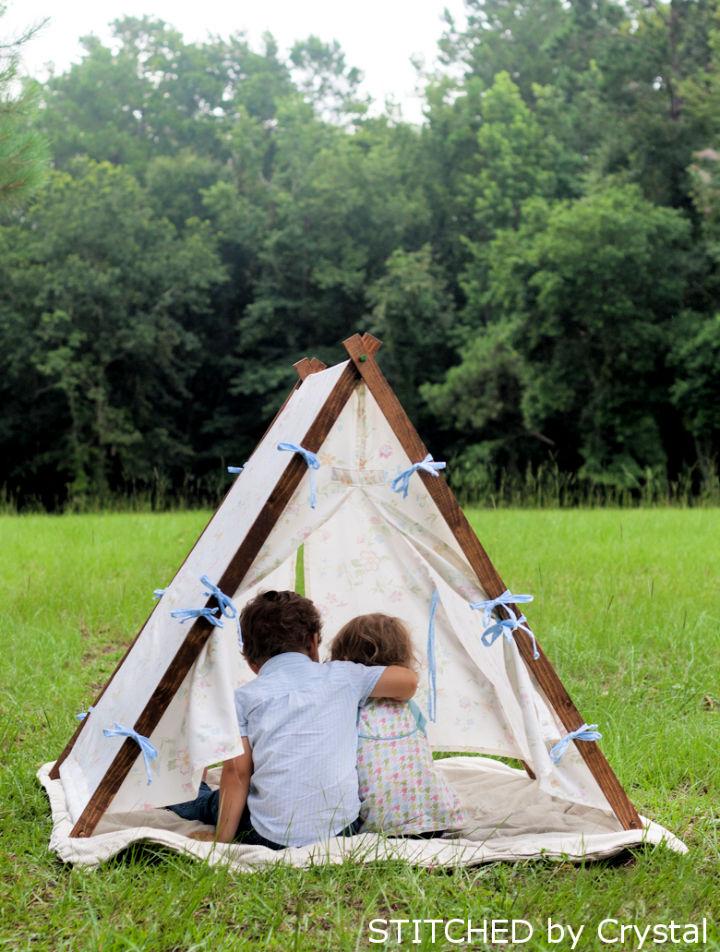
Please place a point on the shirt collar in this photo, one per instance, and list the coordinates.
(287, 659)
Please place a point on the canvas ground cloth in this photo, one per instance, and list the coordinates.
(507, 820)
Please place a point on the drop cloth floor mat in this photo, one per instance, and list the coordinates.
(508, 819)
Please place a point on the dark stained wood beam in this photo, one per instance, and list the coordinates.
(490, 580)
(55, 771)
(201, 630)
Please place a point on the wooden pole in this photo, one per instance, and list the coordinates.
(55, 771)
(490, 580)
(230, 581)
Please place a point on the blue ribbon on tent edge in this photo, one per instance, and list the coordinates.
(313, 463)
(584, 732)
(148, 751)
(432, 671)
(83, 714)
(225, 607)
(504, 626)
(401, 483)
(185, 614)
(225, 603)
(235, 470)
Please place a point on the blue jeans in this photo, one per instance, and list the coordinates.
(206, 808)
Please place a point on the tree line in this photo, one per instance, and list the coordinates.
(179, 222)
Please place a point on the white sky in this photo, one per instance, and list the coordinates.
(378, 36)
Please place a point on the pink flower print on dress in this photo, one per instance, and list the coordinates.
(385, 451)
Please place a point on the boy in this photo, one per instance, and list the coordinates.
(296, 781)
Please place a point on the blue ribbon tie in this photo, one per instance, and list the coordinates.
(506, 626)
(148, 751)
(225, 603)
(505, 599)
(159, 592)
(584, 732)
(185, 614)
(313, 463)
(83, 714)
(401, 483)
(234, 470)
(432, 671)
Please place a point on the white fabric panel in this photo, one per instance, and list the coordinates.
(162, 635)
(358, 564)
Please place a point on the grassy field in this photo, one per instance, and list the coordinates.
(628, 607)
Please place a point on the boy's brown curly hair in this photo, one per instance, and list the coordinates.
(374, 639)
(274, 622)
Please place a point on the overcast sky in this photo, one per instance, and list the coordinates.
(378, 36)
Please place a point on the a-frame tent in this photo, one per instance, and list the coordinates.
(366, 548)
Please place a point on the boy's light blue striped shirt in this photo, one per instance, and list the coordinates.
(300, 718)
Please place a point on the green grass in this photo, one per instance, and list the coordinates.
(627, 606)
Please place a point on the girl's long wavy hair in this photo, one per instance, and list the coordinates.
(374, 639)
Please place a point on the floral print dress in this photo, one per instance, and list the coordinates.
(400, 790)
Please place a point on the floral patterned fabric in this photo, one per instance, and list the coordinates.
(400, 790)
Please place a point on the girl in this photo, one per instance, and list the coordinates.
(401, 793)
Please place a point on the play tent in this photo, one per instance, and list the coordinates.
(342, 473)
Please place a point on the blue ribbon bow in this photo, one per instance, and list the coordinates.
(185, 614)
(432, 672)
(584, 732)
(225, 603)
(313, 463)
(505, 626)
(401, 483)
(148, 751)
(506, 599)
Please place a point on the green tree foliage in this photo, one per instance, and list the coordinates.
(579, 306)
(23, 154)
(101, 330)
(154, 94)
(540, 256)
(413, 314)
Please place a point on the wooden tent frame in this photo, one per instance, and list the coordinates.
(361, 367)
